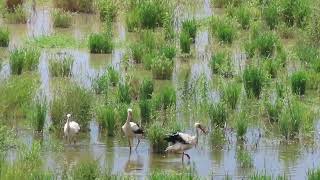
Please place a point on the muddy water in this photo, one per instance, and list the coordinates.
(268, 154)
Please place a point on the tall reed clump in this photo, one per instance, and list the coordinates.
(38, 115)
(100, 43)
(167, 97)
(241, 125)
(253, 79)
(61, 19)
(162, 67)
(313, 174)
(244, 158)
(27, 59)
(137, 51)
(169, 51)
(75, 5)
(151, 13)
(173, 175)
(12, 4)
(271, 13)
(17, 16)
(266, 44)
(4, 37)
(145, 110)
(231, 93)
(223, 29)
(113, 75)
(107, 10)
(306, 52)
(71, 99)
(61, 67)
(156, 134)
(218, 115)
(86, 169)
(217, 61)
(295, 12)
(217, 137)
(133, 20)
(185, 42)
(243, 16)
(123, 93)
(273, 110)
(190, 27)
(146, 89)
(299, 82)
(313, 33)
(101, 84)
(107, 119)
(292, 119)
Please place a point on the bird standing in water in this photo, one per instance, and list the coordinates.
(71, 129)
(132, 130)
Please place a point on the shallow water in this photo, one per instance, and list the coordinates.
(270, 155)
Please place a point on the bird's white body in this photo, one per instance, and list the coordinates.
(180, 147)
(70, 129)
(132, 130)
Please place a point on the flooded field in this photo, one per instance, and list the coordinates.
(263, 149)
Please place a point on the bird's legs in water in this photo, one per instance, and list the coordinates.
(129, 144)
(138, 143)
(185, 154)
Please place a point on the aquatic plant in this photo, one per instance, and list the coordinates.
(186, 173)
(217, 114)
(313, 174)
(169, 32)
(244, 158)
(107, 119)
(162, 67)
(56, 41)
(271, 66)
(133, 20)
(306, 52)
(27, 59)
(313, 32)
(113, 75)
(243, 16)
(299, 82)
(38, 115)
(185, 42)
(61, 19)
(249, 48)
(86, 169)
(107, 9)
(100, 43)
(145, 110)
(147, 59)
(231, 93)
(75, 5)
(253, 79)
(123, 93)
(146, 89)
(169, 51)
(217, 137)
(266, 44)
(151, 13)
(156, 134)
(271, 14)
(190, 27)
(17, 16)
(137, 50)
(274, 109)
(101, 84)
(10, 5)
(7, 140)
(217, 61)
(4, 37)
(150, 40)
(71, 99)
(61, 67)
(280, 89)
(167, 97)
(241, 125)
(223, 29)
(295, 12)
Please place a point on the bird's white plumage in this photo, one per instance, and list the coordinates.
(188, 138)
(74, 128)
(178, 147)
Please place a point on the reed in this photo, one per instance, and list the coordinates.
(61, 19)
(253, 80)
(218, 115)
(4, 37)
(231, 94)
(299, 82)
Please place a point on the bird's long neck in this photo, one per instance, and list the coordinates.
(197, 135)
(68, 123)
(129, 117)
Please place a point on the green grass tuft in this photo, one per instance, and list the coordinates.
(217, 114)
(4, 37)
(162, 67)
(61, 19)
(299, 82)
(253, 79)
(100, 43)
(231, 93)
(61, 67)
(185, 42)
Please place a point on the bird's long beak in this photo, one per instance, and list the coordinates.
(204, 130)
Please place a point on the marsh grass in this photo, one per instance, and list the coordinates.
(271, 14)
(243, 16)
(217, 137)
(271, 66)
(218, 115)
(156, 134)
(231, 93)
(266, 44)
(85, 170)
(17, 16)
(113, 75)
(146, 89)
(253, 79)
(169, 51)
(151, 40)
(107, 119)
(185, 42)
(295, 13)
(274, 110)
(145, 110)
(137, 51)
(190, 27)
(101, 84)
(147, 59)
(244, 158)
(152, 13)
(12, 4)
(38, 115)
(133, 20)
(75, 5)
(280, 89)
(7, 141)
(123, 93)
(100, 43)
(167, 97)
(223, 29)
(299, 82)
(61, 67)
(61, 19)
(217, 61)
(241, 125)
(162, 67)
(26, 58)
(107, 9)
(186, 173)
(306, 52)
(4, 37)
(71, 99)
(313, 174)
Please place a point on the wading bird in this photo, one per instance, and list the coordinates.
(132, 130)
(182, 141)
(71, 129)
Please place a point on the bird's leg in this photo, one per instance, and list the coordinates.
(187, 155)
(182, 156)
(129, 144)
(138, 144)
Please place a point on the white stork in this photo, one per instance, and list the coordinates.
(182, 141)
(132, 130)
(71, 129)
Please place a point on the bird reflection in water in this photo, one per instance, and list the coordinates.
(133, 164)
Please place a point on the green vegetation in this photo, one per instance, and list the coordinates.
(243, 16)
(124, 93)
(231, 93)
(38, 115)
(241, 125)
(113, 75)
(146, 89)
(75, 5)
(185, 42)
(266, 44)
(172, 175)
(61, 67)
(24, 59)
(274, 110)
(107, 119)
(156, 134)
(17, 16)
(299, 82)
(137, 50)
(101, 84)
(244, 158)
(55, 41)
(85, 170)
(218, 115)
(223, 29)
(162, 67)
(169, 51)
(61, 19)
(100, 43)
(4, 37)
(107, 9)
(313, 174)
(253, 79)
(190, 27)
(166, 98)
(10, 5)
(271, 14)
(145, 110)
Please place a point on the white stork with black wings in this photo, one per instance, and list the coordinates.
(182, 142)
(132, 130)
